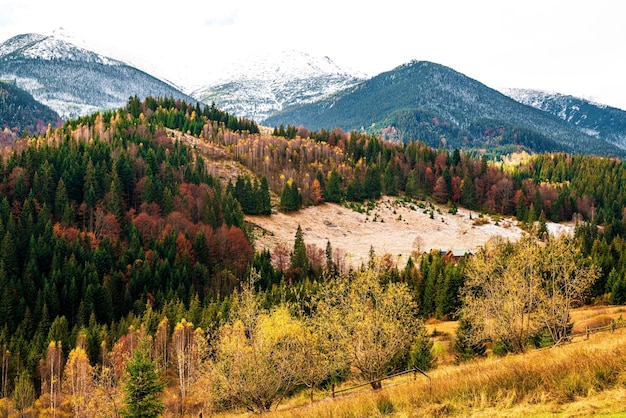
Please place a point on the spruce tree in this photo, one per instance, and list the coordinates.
(264, 198)
(143, 387)
(332, 192)
(290, 199)
(299, 259)
(464, 348)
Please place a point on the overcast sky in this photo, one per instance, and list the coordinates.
(572, 47)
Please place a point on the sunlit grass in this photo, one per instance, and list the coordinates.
(587, 378)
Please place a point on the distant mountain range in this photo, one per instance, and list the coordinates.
(72, 80)
(417, 100)
(431, 102)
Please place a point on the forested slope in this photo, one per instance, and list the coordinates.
(113, 231)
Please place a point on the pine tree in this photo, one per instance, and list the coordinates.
(332, 192)
(143, 387)
(299, 259)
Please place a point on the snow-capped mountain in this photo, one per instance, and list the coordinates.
(72, 80)
(595, 119)
(53, 47)
(258, 86)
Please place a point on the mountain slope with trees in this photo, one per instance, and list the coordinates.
(20, 113)
(600, 121)
(435, 104)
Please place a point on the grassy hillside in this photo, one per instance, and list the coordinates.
(585, 378)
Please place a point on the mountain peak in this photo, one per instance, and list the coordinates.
(63, 72)
(270, 64)
(59, 45)
(264, 82)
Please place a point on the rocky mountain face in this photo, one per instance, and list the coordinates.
(72, 80)
(258, 86)
(600, 121)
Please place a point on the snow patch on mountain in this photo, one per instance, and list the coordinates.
(592, 118)
(261, 84)
(73, 79)
(51, 47)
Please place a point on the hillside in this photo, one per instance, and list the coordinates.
(130, 226)
(394, 226)
(552, 382)
(72, 80)
(428, 101)
(20, 112)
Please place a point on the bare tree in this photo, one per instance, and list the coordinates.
(566, 282)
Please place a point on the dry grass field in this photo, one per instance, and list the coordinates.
(585, 378)
(389, 225)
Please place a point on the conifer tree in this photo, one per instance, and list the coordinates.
(143, 387)
(332, 192)
(265, 201)
(464, 347)
(290, 199)
(299, 259)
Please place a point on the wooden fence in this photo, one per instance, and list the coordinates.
(620, 323)
(414, 370)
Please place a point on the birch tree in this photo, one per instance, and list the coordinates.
(77, 381)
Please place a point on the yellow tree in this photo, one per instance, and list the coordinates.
(78, 381)
(374, 324)
(316, 356)
(566, 280)
(106, 398)
(515, 291)
(254, 354)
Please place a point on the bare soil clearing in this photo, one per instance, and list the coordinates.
(390, 226)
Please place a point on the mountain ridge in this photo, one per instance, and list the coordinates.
(595, 119)
(429, 101)
(72, 80)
